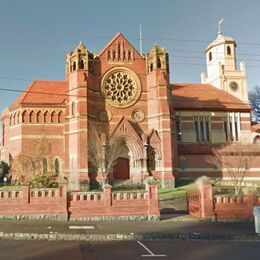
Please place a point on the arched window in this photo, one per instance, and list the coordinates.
(129, 55)
(53, 117)
(151, 67)
(57, 166)
(228, 50)
(38, 117)
(14, 119)
(108, 54)
(46, 117)
(24, 116)
(44, 165)
(74, 65)
(210, 56)
(81, 64)
(159, 64)
(114, 55)
(119, 50)
(73, 108)
(60, 117)
(31, 117)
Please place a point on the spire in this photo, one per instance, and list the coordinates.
(81, 46)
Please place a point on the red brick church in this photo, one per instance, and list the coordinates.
(168, 128)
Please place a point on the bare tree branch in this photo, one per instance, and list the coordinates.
(25, 166)
(235, 160)
(254, 98)
(103, 151)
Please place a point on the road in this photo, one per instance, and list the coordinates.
(132, 250)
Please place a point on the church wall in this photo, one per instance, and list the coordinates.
(193, 155)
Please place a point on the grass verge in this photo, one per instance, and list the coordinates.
(178, 192)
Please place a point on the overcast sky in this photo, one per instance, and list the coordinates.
(35, 34)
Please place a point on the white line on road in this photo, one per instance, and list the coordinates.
(149, 251)
(81, 227)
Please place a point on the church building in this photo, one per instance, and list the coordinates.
(168, 129)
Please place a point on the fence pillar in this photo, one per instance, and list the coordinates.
(26, 194)
(206, 200)
(251, 201)
(153, 202)
(107, 195)
(63, 216)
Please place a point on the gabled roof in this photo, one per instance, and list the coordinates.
(121, 37)
(204, 96)
(43, 91)
(125, 125)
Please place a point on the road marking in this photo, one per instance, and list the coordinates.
(149, 251)
(81, 227)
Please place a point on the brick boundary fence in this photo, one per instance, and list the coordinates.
(57, 204)
(204, 204)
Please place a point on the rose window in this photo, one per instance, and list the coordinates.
(120, 88)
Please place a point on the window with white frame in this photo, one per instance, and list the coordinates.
(232, 127)
(202, 128)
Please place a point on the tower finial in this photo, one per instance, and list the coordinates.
(219, 25)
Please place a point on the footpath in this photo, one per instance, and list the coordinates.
(177, 228)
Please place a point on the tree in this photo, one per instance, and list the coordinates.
(235, 160)
(103, 151)
(4, 169)
(254, 98)
(25, 167)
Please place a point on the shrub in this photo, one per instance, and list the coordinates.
(43, 180)
(4, 169)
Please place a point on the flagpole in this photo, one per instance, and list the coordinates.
(140, 35)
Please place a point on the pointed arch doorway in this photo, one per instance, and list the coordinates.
(121, 169)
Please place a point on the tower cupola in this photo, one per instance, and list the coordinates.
(79, 59)
(222, 71)
(157, 58)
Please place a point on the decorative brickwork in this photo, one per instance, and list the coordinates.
(168, 129)
(57, 204)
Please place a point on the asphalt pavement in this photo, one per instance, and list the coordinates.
(130, 250)
(170, 227)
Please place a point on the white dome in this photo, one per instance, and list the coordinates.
(220, 40)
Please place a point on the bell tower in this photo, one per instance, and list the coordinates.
(79, 66)
(222, 71)
(157, 59)
(159, 114)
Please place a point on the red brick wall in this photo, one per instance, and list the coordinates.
(204, 204)
(56, 201)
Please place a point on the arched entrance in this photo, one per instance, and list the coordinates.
(121, 169)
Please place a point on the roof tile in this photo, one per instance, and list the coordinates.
(205, 96)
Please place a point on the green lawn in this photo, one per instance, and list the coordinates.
(178, 192)
(127, 190)
(8, 186)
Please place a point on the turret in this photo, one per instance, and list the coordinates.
(78, 60)
(157, 58)
(222, 71)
